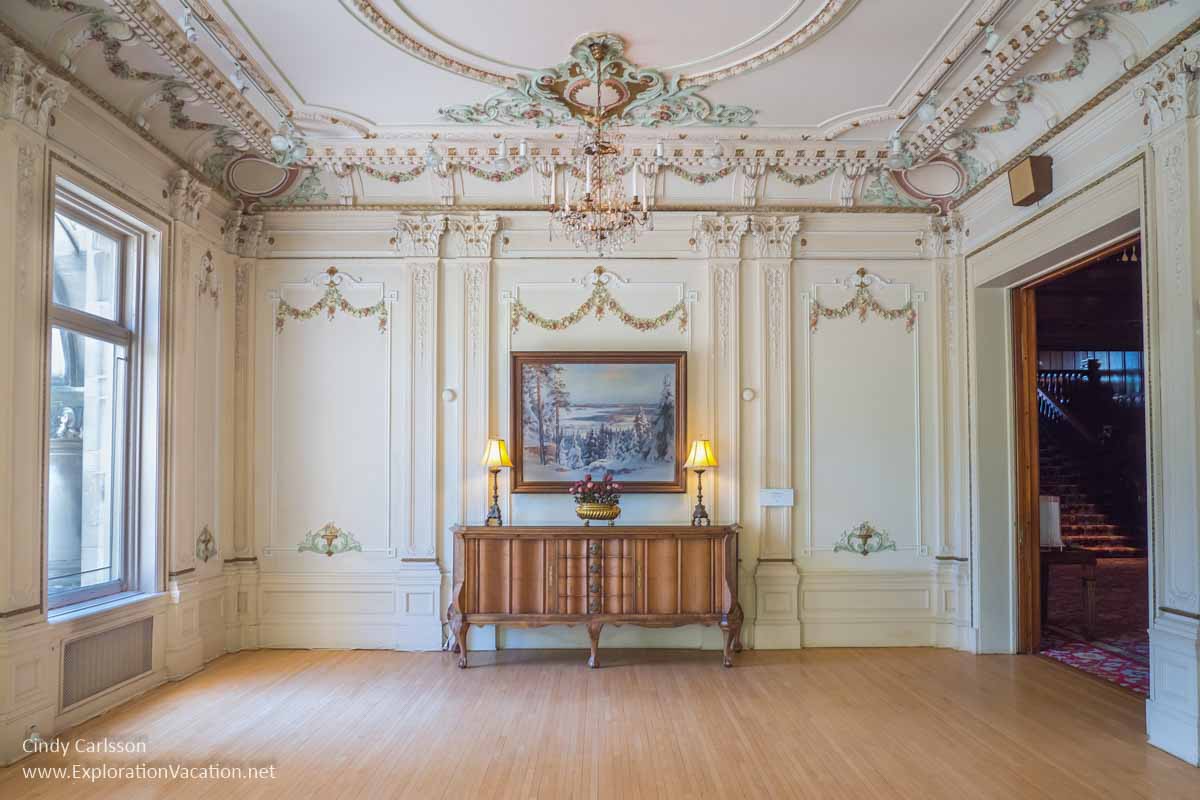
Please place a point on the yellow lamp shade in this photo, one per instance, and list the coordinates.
(701, 455)
(496, 454)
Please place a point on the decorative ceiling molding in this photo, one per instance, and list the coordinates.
(162, 33)
(10, 38)
(631, 94)
(379, 23)
(233, 45)
(1108, 91)
(1040, 28)
(830, 12)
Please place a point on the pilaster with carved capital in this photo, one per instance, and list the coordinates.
(773, 237)
(1168, 91)
(29, 93)
(188, 197)
(419, 237)
(719, 236)
(475, 233)
(1169, 96)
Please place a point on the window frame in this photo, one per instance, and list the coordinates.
(124, 333)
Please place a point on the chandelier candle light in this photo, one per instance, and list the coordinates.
(604, 219)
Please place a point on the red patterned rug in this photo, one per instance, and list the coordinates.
(1120, 651)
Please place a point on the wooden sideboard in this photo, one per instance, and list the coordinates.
(648, 575)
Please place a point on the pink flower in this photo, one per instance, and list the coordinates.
(587, 477)
(616, 486)
(591, 485)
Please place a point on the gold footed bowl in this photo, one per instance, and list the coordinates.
(599, 512)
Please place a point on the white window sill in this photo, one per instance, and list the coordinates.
(106, 608)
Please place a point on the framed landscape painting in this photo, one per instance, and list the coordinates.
(577, 413)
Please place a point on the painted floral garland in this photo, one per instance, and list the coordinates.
(394, 177)
(863, 304)
(599, 302)
(331, 302)
(802, 180)
(701, 178)
(495, 176)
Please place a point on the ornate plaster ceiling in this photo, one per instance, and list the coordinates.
(774, 102)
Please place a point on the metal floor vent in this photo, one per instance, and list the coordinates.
(98, 662)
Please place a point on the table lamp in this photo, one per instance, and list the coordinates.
(700, 458)
(495, 458)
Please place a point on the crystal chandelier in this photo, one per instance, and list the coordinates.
(604, 219)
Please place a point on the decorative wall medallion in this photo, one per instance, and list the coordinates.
(206, 545)
(863, 304)
(864, 539)
(208, 285)
(331, 302)
(329, 540)
(629, 94)
(599, 302)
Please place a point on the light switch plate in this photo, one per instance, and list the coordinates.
(777, 497)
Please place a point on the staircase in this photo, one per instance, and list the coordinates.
(1086, 524)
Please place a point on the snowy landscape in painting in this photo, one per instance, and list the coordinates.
(597, 418)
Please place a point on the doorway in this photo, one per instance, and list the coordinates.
(1083, 574)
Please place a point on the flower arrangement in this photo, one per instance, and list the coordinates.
(604, 492)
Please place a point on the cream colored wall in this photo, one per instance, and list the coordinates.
(853, 416)
(195, 436)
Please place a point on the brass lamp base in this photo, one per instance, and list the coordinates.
(700, 513)
(494, 518)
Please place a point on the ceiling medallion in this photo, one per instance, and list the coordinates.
(629, 94)
(604, 219)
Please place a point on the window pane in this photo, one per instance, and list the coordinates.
(87, 412)
(86, 268)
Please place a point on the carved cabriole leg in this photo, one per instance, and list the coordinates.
(732, 626)
(594, 634)
(460, 626)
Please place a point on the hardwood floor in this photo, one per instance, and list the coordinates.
(912, 723)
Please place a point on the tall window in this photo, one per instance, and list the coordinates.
(93, 345)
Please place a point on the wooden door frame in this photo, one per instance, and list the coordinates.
(1029, 596)
(1028, 478)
